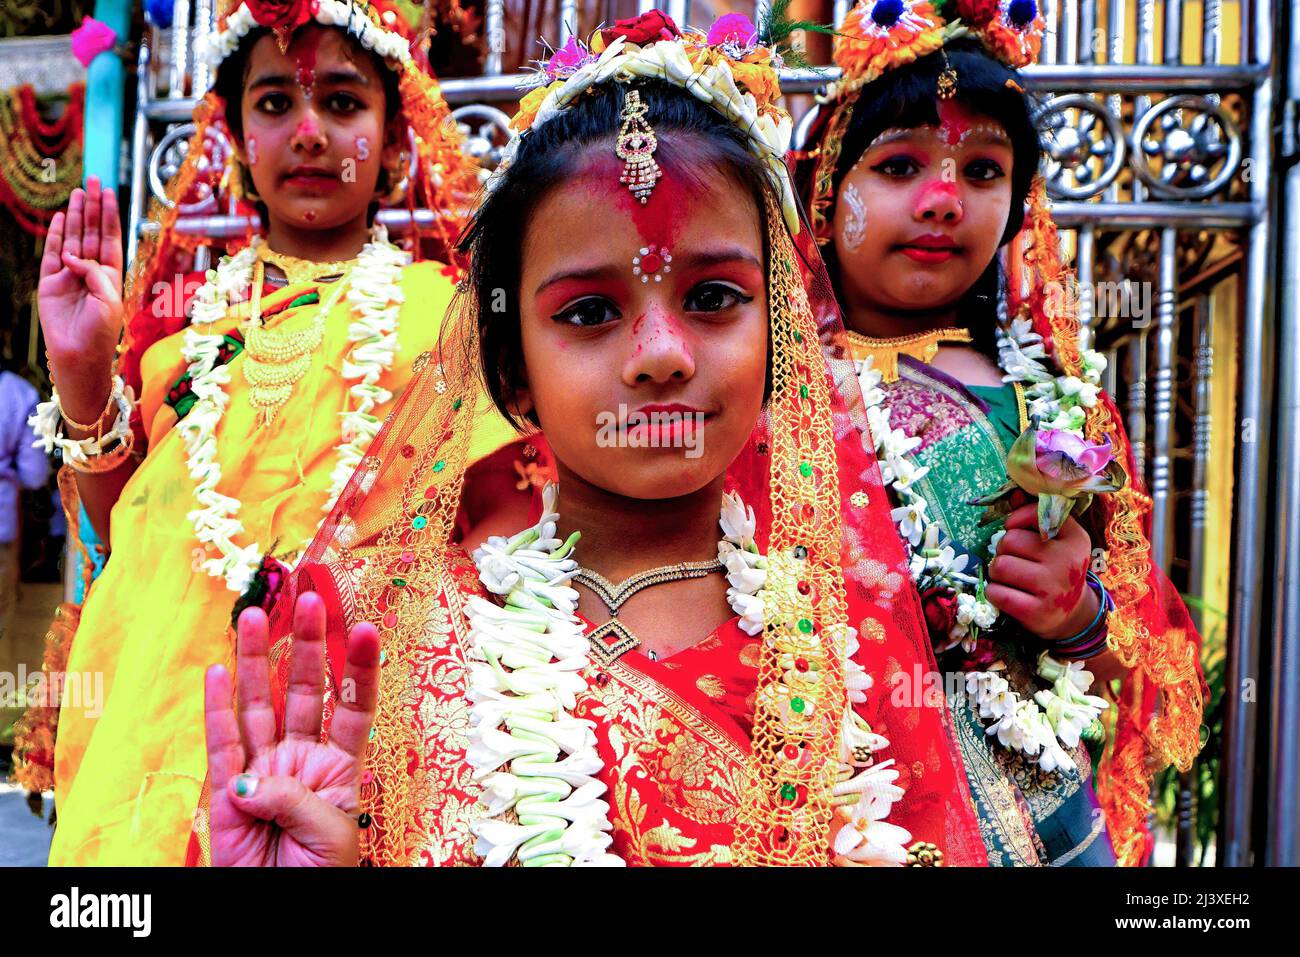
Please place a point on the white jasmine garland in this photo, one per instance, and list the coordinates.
(375, 294)
(539, 764)
(212, 48)
(531, 754)
(1056, 714)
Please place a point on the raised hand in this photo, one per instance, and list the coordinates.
(80, 298)
(291, 801)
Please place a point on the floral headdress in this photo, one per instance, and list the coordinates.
(445, 180)
(882, 35)
(376, 27)
(727, 67)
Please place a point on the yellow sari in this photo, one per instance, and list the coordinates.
(128, 779)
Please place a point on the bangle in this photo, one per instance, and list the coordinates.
(98, 425)
(90, 455)
(1092, 640)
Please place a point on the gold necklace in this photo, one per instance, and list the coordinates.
(613, 638)
(275, 360)
(303, 270)
(885, 352)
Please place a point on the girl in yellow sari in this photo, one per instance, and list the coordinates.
(254, 414)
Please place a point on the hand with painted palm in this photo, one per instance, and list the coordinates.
(79, 299)
(289, 800)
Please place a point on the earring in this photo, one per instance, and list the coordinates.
(635, 147)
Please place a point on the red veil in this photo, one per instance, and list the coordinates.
(1162, 698)
(822, 516)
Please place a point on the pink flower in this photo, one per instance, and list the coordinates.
(568, 59)
(91, 39)
(1069, 458)
(733, 28)
(1063, 469)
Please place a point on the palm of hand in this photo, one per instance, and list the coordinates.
(324, 770)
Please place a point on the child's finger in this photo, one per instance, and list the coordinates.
(1020, 605)
(1020, 573)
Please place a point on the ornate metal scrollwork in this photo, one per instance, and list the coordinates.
(1191, 136)
(486, 130)
(1084, 146)
(167, 157)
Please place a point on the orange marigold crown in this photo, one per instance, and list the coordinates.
(881, 35)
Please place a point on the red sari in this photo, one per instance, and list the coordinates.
(672, 734)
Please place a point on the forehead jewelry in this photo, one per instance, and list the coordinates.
(947, 85)
(635, 147)
(653, 261)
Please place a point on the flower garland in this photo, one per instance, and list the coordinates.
(376, 298)
(1034, 726)
(355, 17)
(526, 668)
(536, 760)
(746, 93)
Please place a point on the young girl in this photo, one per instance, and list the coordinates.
(917, 176)
(254, 409)
(640, 261)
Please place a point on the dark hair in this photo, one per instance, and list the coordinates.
(907, 97)
(233, 71)
(693, 138)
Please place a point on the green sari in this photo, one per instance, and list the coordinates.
(1028, 817)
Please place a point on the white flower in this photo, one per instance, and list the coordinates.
(910, 519)
(738, 523)
(866, 837)
(984, 614)
(750, 610)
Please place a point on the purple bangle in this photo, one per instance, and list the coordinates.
(1092, 640)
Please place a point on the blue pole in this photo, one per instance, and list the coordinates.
(102, 151)
(106, 99)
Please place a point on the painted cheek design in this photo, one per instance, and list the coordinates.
(363, 149)
(251, 149)
(855, 220)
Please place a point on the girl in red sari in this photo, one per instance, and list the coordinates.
(643, 292)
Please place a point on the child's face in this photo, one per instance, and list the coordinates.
(921, 214)
(314, 128)
(646, 389)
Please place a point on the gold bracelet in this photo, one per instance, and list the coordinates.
(98, 425)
